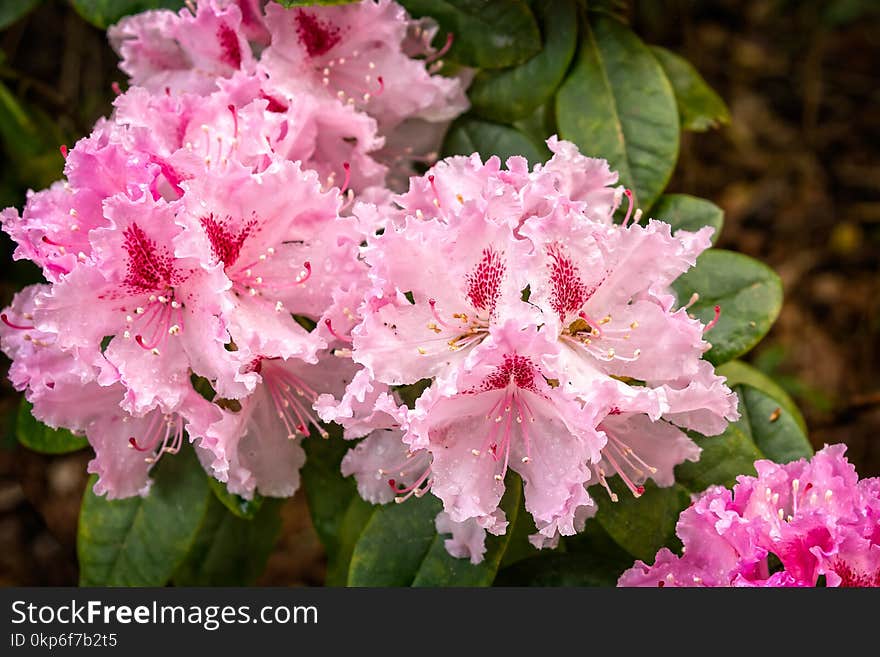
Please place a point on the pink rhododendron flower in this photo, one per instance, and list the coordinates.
(467, 539)
(475, 252)
(68, 390)
(54, 229)
(264, 231)
(180, 51)
(36, 361)
(639, 444)
(816, 517)
(386, 468)
(127, 447)
(355, 52)
(460, 279)
(200, 225)
(161, 312)
(255, 446)
(342, 78)
(211, 218)
(501, 411)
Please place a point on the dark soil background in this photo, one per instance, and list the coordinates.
(796, 172)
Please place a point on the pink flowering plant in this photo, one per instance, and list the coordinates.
(414, 260)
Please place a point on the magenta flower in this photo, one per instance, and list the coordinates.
(815, 517)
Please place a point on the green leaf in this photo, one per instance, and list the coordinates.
(699, 107)
(229, 550)
(644, 525)
(399, 546)
(13, 10)
(515, 93)
(738, 372)
(338, 513)
(394, 543)
(468, 135)
(35, 435)
(31, 139)
(562, 569)
(486, 33)
(518, 545)
(748, 292)
(357, 514)
(684, 212)
(439, 568)
(596, 541)
(327, 491)
(771, 426)
(765, 430)
(618, 9)
(236, 504)
(723, 458)
(103, 13)
(410, 392)
(617, 103)
(140, 541)
(539, 126)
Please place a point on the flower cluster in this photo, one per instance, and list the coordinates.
(227, 262)
(203, 229)
(786, 527)
(549, 334)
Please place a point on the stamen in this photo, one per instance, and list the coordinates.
(636, 489)
(445, 49)
(433, 304)
(714, 320)
(52, 243)
(604, 482)
(133, 443)
(63, 150)
(231, 108)
(593, 324)
(629, 197)
(140, 340)
(434, 189)
(343, 338)
(305, 274)
(347, 167)
(418, 489)
(20, 327)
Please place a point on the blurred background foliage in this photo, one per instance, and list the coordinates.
(796, 172)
